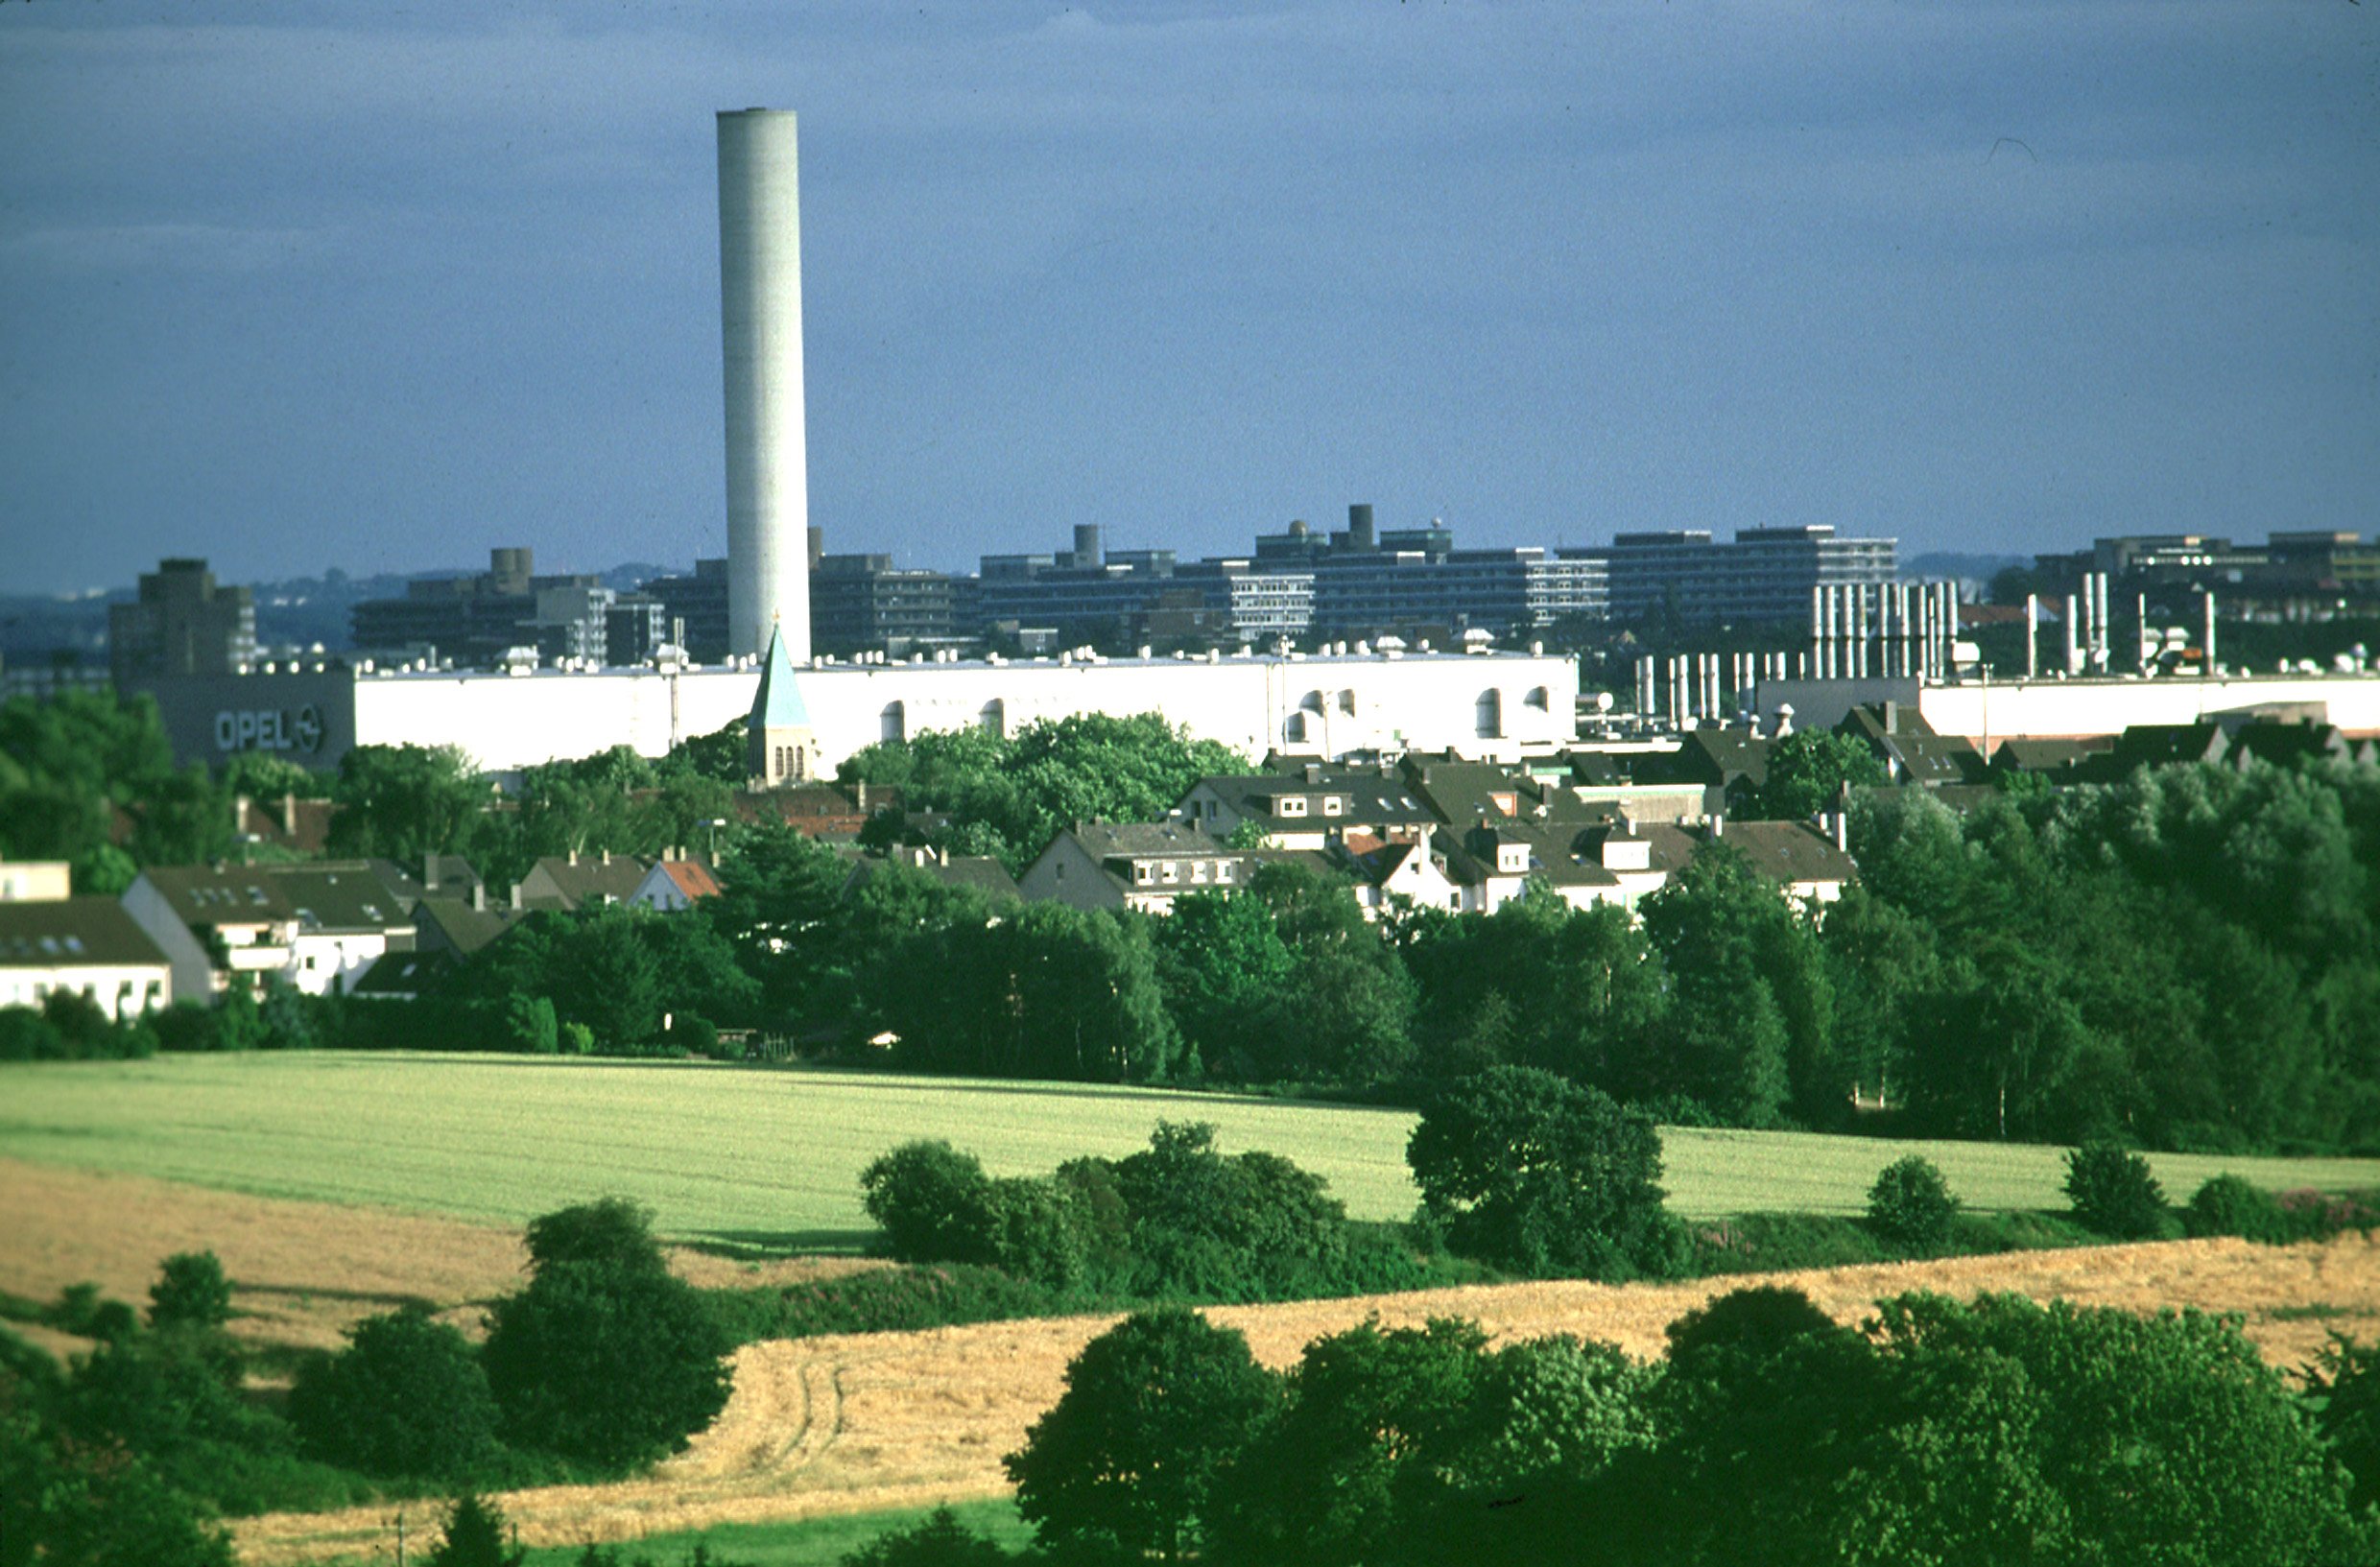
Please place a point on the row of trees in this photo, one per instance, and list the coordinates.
(1996, 1430)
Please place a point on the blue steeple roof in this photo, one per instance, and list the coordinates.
(777, 704)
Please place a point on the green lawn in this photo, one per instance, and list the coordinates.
(771, 1158)
(812, 1542)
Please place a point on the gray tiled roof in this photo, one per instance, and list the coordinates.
(65, 933)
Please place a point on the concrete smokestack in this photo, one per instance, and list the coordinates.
(1086, 549)
(760, 333)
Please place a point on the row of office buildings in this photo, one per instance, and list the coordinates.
(1301, 585)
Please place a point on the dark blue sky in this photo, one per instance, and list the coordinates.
(382, 290)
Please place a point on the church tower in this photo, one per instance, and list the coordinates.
(783, 747)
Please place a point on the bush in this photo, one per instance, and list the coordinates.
(578, 1039)
(2113, 1192)
(936, 1204)
(2230, 1205)
(1911, 1205)
(406, 1397)
(941, 1540)
(885, 1300)
(1544, 1177)
(2342, 1385)
(190, 1291)
(609, 1232)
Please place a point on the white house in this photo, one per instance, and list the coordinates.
(89, 946)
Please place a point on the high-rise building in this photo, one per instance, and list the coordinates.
(1763, 578)
(760, 339)
(182, 622)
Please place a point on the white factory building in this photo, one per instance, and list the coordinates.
(1325, 707)
(1987, 712)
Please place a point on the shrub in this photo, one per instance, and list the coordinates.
(609, 1232)
(406, 1397)
(529, 1025)
(939, 1540)
(1911, 1205)
(2113, 1192)
(190, 1291)
(578, 1039)
(2230, 1205)
(886, 1300)
(936, 1204)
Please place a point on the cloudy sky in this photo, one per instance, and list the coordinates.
(382, 286)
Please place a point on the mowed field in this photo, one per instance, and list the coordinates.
(770, 1159)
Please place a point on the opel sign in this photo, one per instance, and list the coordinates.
(270, 728)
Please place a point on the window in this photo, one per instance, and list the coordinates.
(1333, 805)
(1144, 872)
(1197, 873)
(1170, 874)
(1290, 805)
(1222, 871)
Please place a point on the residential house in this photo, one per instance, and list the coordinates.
(214, 923)
(1912, 753)
(88, 946)
(673, 886)
(1306, 810)
(581, 881)
(1129, 864)
(35, 881)
(979, 871)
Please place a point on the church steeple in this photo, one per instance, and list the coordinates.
(783, 745)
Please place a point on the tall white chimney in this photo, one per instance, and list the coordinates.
(760, 333)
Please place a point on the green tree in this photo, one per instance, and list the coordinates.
(1542, 1176)
(1224, 971)
(1364, 1407)
(1128, 1456)
(1911, 1205)
(1809, 768)
(2113, 1192)
(605, 1356)
(190, 1291)
(2342, 1385)
(474, 1536)
(406, 1397)
(404, 802)
(933, 1203)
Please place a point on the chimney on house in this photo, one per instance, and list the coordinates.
(1842, 831)
(239, 814)
(1718, 826)
(479, 896)
(517, 900)
(574, 857)
(1892, 718)
(429, 870)
(1314, 773)
(607, 857)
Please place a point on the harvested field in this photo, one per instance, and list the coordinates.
(867, 1422)
(770, 1159)
(301, 1272)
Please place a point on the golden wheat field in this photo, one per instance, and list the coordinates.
(301, 1272)
(864, 1422)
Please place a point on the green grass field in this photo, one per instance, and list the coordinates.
(812, 1542)
(770, 1159)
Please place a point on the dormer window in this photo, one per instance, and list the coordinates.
(1170, 874)
(1290, 805)
(1333, 805)
(1143, 872)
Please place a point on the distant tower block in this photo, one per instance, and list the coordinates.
(760, 331)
